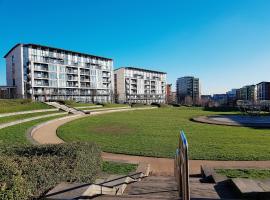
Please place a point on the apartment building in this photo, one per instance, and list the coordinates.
(44, 73)
(263, 91)
(188, 90)
(136, 85)
(248, 93)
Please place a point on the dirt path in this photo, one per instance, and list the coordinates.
(46, 134)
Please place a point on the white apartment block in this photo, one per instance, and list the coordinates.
(135, 85)
(44, 73)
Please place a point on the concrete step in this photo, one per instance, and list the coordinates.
(255, 189)
(113, 185)
(65, 108)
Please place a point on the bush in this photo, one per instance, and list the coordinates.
(160, 105)
(40, 168)
(100, 104)
(175, 105)
(138, 105)
(221, 109)
(12, 184)
(155, 104)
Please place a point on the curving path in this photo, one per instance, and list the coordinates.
(46, 134)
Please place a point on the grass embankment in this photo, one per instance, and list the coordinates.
(24, 116)
(77, 104)
(81, 104)
(156, 132)
(17, 105)
(17, 133)
(245, 173)
(118, 168)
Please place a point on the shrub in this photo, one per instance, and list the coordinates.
(12, 184)
(42, 167)
(155, 104)
(138, 105)
(221, 109)
(175, 105)
(160, 105)
(100, 104)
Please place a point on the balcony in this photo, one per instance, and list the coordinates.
(85, 80)
(72, 71)
(41, 68)
(72, 84)
(41, 77)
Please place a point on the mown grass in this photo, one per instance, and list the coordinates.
(81, 104)
(114, 105)
(17, 105)
(245, 173)
(78, 104)
(24, 116)
(156, 132)
(118, 168)
(17, 133)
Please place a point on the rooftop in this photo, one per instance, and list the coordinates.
(58, 49)
(141, 69)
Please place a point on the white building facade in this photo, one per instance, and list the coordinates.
(47, 73)
(136, 85)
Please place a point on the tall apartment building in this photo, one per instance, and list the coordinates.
(248, 93)
(136, 85)
(263, 91)
(43, 73)
(188, 90)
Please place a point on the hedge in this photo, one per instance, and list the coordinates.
(138, 105)
(29, 171)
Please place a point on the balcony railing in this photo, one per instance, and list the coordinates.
(181, 170)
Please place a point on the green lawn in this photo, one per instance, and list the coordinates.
(24, 116)
(118, 168)
(155, 133)
(17, 134)
(78, 104)
(17, 105)
(114, 105)
(245, 173)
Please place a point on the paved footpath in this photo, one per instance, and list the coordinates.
(46, 134)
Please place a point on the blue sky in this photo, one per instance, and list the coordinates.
(226, 43)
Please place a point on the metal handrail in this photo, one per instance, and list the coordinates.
(182, 167)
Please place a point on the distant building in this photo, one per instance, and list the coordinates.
(136, 85)
(231, 97)
(220, 99)
(205, 100)
(169, 93)
(174, 97)
(43, 73)
(188, 90)
(263, 91)
(8, 92)
(248, 93)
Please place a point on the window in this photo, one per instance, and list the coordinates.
(53, 75)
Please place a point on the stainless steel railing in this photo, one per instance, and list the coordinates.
(182, 167)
